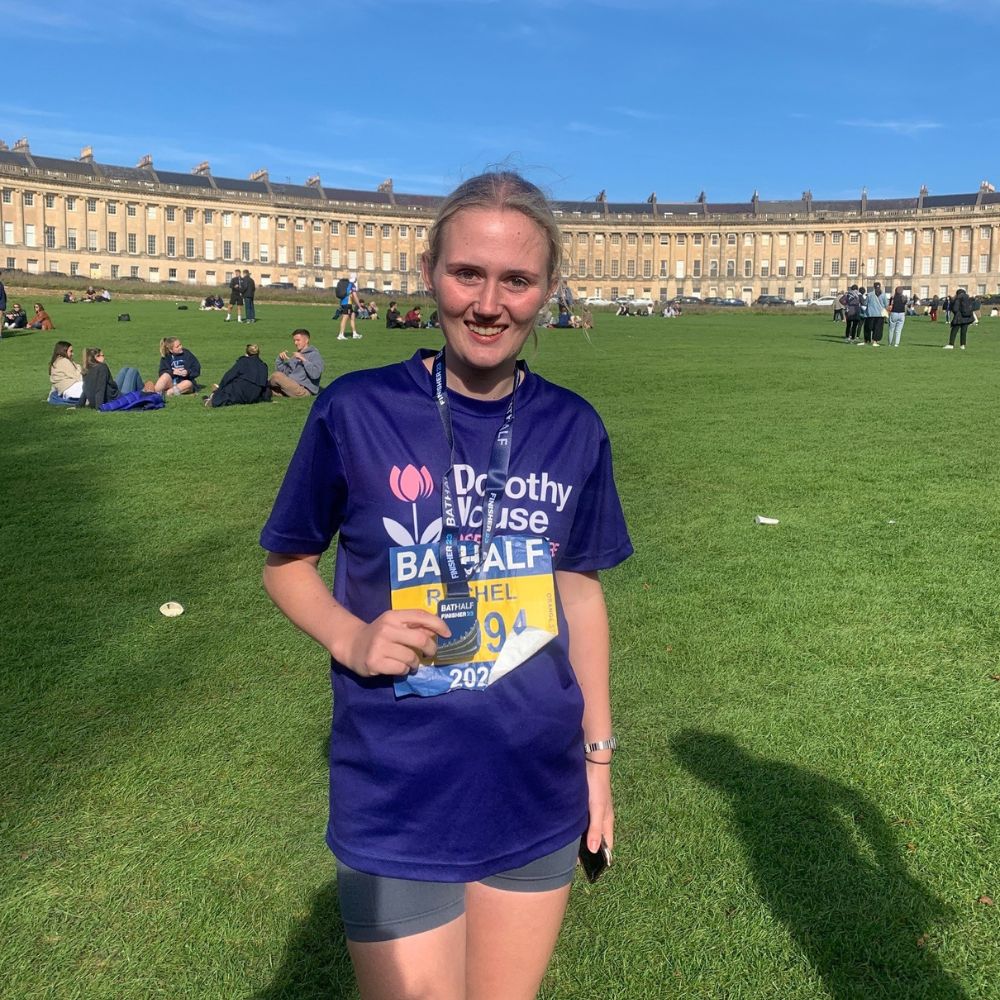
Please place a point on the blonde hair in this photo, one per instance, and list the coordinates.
(252, 350)
(165, 345)
(505, 190)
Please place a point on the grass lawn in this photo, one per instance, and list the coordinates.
(807, 791)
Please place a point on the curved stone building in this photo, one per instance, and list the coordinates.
(101, 221)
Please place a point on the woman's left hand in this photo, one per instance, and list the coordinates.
(602, 811)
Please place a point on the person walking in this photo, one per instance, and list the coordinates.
(349, 306)
(935, 305)
(962, 314)
(897, 316)
(249, 289)
(235, 296)
(851, 301)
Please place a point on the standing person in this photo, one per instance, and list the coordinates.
(3, 299)
(298, 374)
(946, 305)
(876, 311)
(935, 305)
(962, 314)
(249, 289)
(245, 382)
(65, 374)
(235, 296)
(349, 306)
(851, 301)
(897, 316)
(179, 369)
(444, 893)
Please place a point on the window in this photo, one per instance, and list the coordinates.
(647, 239)
(386, 261)
(748, 269)
(245, 252)
(300, 225)
(369, 229)
(171, 213)
(598, 268)
(748, 239)
(818, 239)
(834, 268)
(925, 265)
(730, 268)
(852, 267)
(227, 218)
(283, 223)
(630, 269)
(963, 264)
(872, 238)
(616, 239)
(966, 233)
(131, 243)
(189, 247)
(404, 231)
(29, 235)
(131, 210)
(403, 261)
(870, 267)
(907, 267)
(151, 245)
(664, 272)
(8, 236)
(713, 240)
(582, 269)
(386, 234)
(50, 201)
(334, 228)
(369, 260)
(112, 243)
(334, 258)
(984, 232)
(299, 255)
(209, 215)
(765, 240)
(29, 200)
(91, 204)
(890, 239)
(171, 246)
(172, 273)
(615, 267)
(817, 268)
(209, 249)
(889, 266)
(836, 238)
(114, 270)
(945, 266)
(192, 275)
(244, 221)
(713, 269)
(679, 269)
(946, 235)
(855, 238)
(908, 236)
(681, 240)
(227, 249)
(352, 229)
(264, 253)
(697, 239)
(317, 257)
(317, 228)
(50, 237)
(647, 269)
(151, 213)
(264, 223)
(927, 235)
(984, 262)
(800, 269)
(91, 239)
(783, 240)
(800, 239)
(7, 196)
(70, 239)
(420, 232)
(282, 255)
(74, 268)
(664, 239)
(352, 260)
(782, 268)
(696, 269)
(731, 240)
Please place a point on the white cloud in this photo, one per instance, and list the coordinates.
(891, 125)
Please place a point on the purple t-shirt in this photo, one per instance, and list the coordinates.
(468, 784)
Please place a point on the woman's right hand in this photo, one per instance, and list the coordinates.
(394, 643)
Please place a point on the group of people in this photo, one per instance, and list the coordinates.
(412, 320)
(90, 295)
(89, 384)
(242, 291)
(16, 318)
(566, 319)
(867, 310)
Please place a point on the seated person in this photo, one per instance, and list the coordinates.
(623, 310)
(69, 297)
(41, 320)
(393, 321)
(363, 312)
(179, 369)
(105, 296)
(412, 320)
(372, 309)
(298, 373)
(90, 295)
(587, 320)
(565, 320)
(16, 318)
(245, 382)
(994, 313)
(432, 322)
(98, 385)
(64, 373)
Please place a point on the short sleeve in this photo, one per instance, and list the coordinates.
(310, 505)
(598, 538)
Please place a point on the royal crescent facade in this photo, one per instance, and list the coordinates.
(101, 222)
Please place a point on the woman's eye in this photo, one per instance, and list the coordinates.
(518, 282)
(466, 274)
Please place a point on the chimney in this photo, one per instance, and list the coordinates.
(202, 169)
(314, 181)
(260, 175)
(21, 146)
(386, 186)
(87, 154)
(145, 161)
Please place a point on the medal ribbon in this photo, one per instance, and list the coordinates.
(455, 579)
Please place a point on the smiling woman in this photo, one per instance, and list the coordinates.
(474, 652)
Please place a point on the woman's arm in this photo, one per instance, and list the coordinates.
(392, 644)
(586, 614)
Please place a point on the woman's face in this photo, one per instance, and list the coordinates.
(176, 347)
(490, 280)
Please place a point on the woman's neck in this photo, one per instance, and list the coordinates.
(495, 383)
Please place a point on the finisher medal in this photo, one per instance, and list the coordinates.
(461, 615)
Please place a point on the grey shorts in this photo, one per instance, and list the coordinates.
(376, 908)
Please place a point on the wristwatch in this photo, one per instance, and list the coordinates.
(608, 744)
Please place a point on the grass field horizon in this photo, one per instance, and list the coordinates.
(806, 791)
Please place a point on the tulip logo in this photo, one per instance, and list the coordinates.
(410, 485)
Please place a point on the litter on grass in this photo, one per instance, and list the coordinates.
(760, 519)
(171, 609)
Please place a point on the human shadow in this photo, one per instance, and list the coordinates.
(825, 863)
(316, 964)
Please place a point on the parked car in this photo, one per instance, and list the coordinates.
(280, 284)
(826, 301)
(733, 302)
(596, 300)
(714, 300)
(773, 300)
(687, 300)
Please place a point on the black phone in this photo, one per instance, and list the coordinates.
(594, 863)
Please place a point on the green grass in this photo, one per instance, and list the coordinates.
(806, 794)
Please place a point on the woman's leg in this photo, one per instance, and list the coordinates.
(183, 387)
(163, 383)
(425, 966)
(510, 937)
(962, 332)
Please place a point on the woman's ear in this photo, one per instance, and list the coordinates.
(426, 270)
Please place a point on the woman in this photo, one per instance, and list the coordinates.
(962, 314)
(444, 892)
(245, 382)
(179, 369)
(897, 315)
(41, 320)
(64, 373)
(16, 319)
(98, 385)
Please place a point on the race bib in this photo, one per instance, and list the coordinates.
(509, 615)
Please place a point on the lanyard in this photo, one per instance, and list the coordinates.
(454, 578)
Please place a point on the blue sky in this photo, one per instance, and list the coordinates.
(631, 96)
